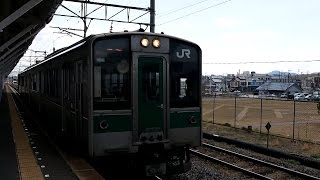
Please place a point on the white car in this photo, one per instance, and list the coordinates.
(284, 95)
(271, 96)
(308, 97)
(296, 94)
(300, 97)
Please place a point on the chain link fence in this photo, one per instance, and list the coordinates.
(296, 120)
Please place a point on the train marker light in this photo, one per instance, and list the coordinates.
(145, 42)
(104, 124)
(156, 43)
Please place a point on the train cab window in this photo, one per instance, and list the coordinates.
(151, 83)
(184, 75)
(112, 74)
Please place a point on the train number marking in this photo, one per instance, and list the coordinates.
(184, 52)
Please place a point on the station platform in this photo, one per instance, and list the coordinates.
(8, 157)
(25, 153)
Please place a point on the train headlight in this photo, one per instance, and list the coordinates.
(144, 42)
(156, 43)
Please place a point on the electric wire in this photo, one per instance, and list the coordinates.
(44, 44)
(263, 62)
(174, 11)
(194, 12)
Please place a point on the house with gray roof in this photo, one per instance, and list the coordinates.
(277, 88)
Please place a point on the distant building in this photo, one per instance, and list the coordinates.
(310, 82)
(218, 82)
(278, 88)
(255, 80)
(234, 83)
(316, 83)
(250, 81)
(213, 84)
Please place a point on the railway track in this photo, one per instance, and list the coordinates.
(248, 165)
(303, 160)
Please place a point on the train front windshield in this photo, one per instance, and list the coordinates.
(112, 74)
(184, 75)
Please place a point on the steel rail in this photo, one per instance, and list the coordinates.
(157, 177)
(290, 171)
(210, 158)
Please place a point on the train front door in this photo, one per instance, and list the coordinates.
(150, 93)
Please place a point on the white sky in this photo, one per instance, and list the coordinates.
(237, 31)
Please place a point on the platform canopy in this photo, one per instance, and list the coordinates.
(20, 22)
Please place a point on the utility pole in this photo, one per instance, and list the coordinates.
(152, 16)
(84, 8)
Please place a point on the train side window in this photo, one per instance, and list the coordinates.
(49, 83)
(111, 74)
(39, 82)
(34, 82)
(85, 88)
(42, 82)
(47, 90)
(22, 81)
(97, 80)
(58, 83)
(72, 85)
(66, 82)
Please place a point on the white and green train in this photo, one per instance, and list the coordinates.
(122, 93)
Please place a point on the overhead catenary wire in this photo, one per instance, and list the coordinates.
(44, 44)
(262, 62)
(174, 11)
(215, 5)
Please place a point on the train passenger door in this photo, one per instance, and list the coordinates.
(149, 94)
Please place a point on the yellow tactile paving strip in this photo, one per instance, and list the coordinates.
(81, 168)
(28, 166)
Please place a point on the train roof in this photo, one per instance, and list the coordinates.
(93, 37)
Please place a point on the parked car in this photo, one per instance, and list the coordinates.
(290, 96)
(296, 94)
(300, 97)
(271, 96)
(284, 95)
(309, 97)
(315, 97)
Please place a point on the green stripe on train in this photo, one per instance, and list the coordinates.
(184, 119)
(116, 123)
